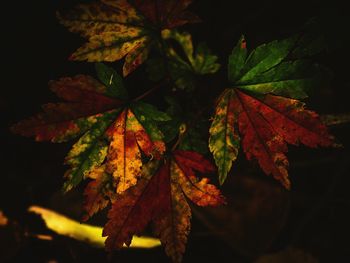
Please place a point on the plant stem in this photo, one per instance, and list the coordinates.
(148, 92)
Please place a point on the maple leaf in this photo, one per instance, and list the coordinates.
(112, 129)
(201, 61)
(129, 138)
(86, 100)
(117, 28)
(159, 197)
(183, 69)
(262, 106)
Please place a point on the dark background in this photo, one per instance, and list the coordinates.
(260, 218)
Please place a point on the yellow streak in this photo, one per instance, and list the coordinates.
(83, 232)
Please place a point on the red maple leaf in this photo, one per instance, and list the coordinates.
(86, 100)
(159, 197)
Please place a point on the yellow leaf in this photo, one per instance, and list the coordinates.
(83, 232)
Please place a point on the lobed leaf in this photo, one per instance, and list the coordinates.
(114, 137)
(269, 123)
(128, 139)
(266, 122)
(159, 197)
(116, 29)
(200, 60)
(86, 100)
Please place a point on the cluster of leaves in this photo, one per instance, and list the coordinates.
(144, 162)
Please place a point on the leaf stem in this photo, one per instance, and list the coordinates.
(178, 141)
(148, 92)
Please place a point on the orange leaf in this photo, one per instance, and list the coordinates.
(124, 154)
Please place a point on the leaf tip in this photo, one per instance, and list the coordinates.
(243, 42)
(71, 57)
(222, 178)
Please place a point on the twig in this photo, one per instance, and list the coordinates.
(148, 92)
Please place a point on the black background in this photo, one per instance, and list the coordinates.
(316, 215)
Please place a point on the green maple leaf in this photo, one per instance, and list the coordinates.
(261, 112)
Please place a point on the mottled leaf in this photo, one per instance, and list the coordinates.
(159, 197)
(86, 100)
(266, 122)
(89, 152)
(224, 141)
(128, 139)
(116, 29)
(136, 57)
(271, 122)
(113, 136)
(97, 193)
(201, 60)
(199, 191)
(149, 117)
(174, 226)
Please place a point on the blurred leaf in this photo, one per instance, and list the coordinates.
(253, 218)
(183, 70)
(3, 219)
(201, 60)
(83, 232)
(335, 119)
